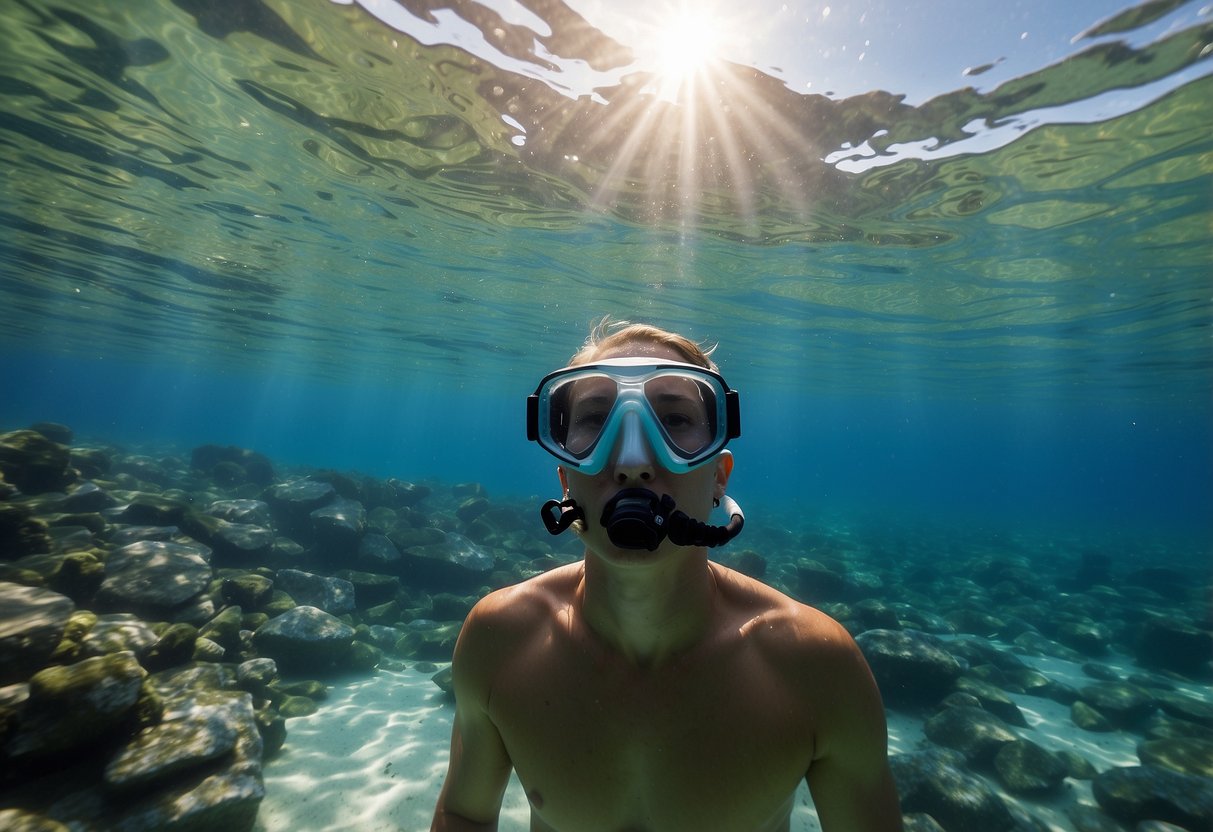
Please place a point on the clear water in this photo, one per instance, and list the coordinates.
(958, 256)
(357, 242)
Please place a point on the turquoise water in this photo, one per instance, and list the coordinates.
(295, 228)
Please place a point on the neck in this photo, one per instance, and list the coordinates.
(649, 612)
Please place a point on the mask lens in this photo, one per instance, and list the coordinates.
(579, 411)
(685, 408)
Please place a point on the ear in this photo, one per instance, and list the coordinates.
(724, 470)
(564, 480)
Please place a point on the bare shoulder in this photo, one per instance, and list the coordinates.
(504, 620)
(781, 623)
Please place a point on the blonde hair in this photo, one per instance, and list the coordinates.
(608, 334)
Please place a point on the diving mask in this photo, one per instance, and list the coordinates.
(686, 412)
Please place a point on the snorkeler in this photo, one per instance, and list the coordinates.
(646, 687)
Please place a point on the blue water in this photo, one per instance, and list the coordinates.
(1036, 467)
(974, 298)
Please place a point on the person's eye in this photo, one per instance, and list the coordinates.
(677, 421)
(590, 419)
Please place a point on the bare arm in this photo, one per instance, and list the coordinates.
(480, 766)
(850, 780)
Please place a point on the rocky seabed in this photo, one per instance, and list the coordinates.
(163, 616)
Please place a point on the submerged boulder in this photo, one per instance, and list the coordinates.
(934, 782)
(974, 732)
(34, 463)
(304, 637)
(77, 705)
(1134, 794)
(32, 621)
(912, 668)
(155, 575)
(333, 595)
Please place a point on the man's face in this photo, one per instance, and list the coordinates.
(633, 464)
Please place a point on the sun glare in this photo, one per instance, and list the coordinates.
(687, 42)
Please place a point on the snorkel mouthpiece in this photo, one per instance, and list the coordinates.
(636, 518)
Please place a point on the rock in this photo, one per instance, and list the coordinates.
(239, 544)
(1123, 704)
(444, 679)
(362, 656)
(913, 669)
(292, 503)
(434, 643)
(118, 632)
(1101, 672)
(993, 700)
(21, 533)
(304, 637)
(206, 650)
(976, 733)
(450, 607)
(255, 675)
(378, 552)
(224, 629)
(933, 782)
(251, 512)
(454, 564)
(32, 622)
(371, 589)
(297, 706)
(154, 575)
(90, 462)
(1167, 582)
(246, 465)
(339, 525)
(1090, 719)
(920, 822)
(332, 595)
(273, 729)
(1025, 768)
(174, 647)
(1085, 636)
(1077, 766)
(1090, 819)
(751, 563)
(384, 637)
(249, 591)
(78, 575)
(1186, 707)
(158, 753)
(77, 705)
(223, 794)
(1185, 755)
(19, 820)
(405, 494)
(86, 497)
(818, 583)
(873, 614)
(311, 688)
(1137, 793)
(1175, 645)
(34, 463)
(134, 534)
(150, 510)
(471, 508)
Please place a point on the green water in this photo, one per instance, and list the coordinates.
(295, 187)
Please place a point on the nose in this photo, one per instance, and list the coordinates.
(633, 461)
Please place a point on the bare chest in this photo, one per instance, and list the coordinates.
(717, 743)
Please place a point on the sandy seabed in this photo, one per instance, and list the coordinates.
(375, 755)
